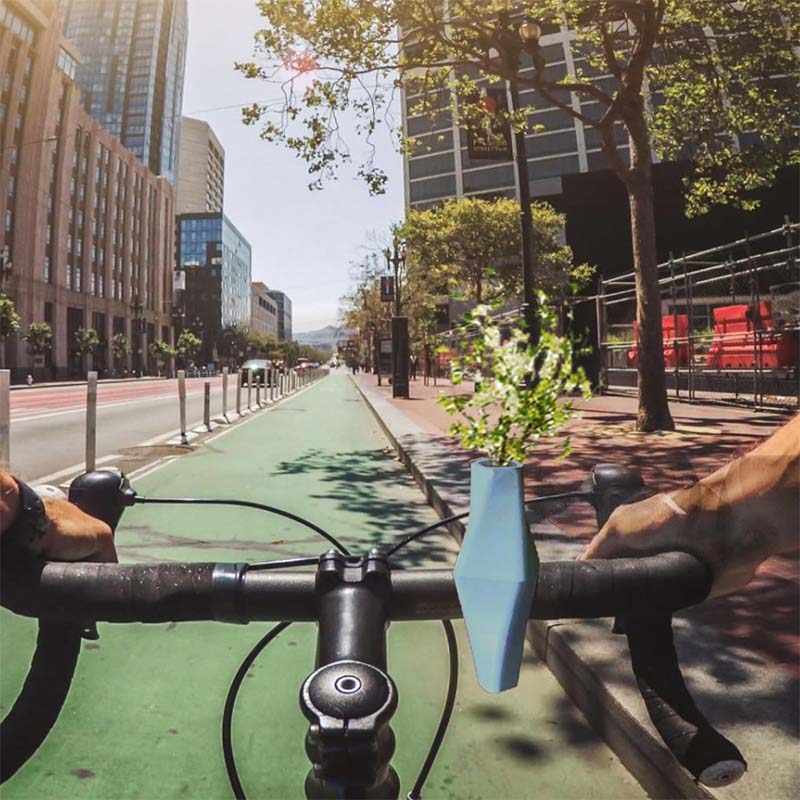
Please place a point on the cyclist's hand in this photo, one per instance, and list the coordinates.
(657, 525)
(73, 535)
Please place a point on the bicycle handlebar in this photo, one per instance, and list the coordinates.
(65, 597)
(176, 592)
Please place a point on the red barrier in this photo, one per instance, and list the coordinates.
(737, 343)
(668, 326)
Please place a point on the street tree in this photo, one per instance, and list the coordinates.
(235, 341)
(681, 78)
(9, 323)
(86, 343)
(472, 247)
(39, 337)
(120, 347)
(161, 351)
(187, 346)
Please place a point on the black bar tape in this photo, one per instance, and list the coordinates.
(46, 687)
(702, 750)
(591, 589)
(111, 592)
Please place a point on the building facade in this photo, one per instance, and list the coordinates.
(440, 167)
(88, 233)
(284, 305)
(133, 56)
(263, 310)
(217, 262)
(201, 172)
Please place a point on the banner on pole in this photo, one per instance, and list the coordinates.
(491, 141)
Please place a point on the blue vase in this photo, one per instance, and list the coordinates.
(496, 573)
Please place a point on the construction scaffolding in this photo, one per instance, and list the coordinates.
(731, 323)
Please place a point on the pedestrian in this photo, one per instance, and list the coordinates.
(414, 362)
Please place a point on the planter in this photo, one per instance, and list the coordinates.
(496, 574)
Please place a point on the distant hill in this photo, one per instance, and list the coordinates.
(324, 339)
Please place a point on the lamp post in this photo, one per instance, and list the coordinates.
(395, 260)
(136, 309)
(511, 41)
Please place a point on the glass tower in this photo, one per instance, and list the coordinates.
(217, 261)
(133, 55)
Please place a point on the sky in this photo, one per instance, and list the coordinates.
(303, 241)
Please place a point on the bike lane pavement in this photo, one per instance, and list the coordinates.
(143, 716)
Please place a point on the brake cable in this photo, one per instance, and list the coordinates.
(199, 501)
(455, 517)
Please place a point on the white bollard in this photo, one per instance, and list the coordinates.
(182, 403)
(5, 418)
(249, 386)
(273, 387)
(258, 392)
(238, 393)
(91, 421)
(225, 393)
(282, 386)
(207, 405)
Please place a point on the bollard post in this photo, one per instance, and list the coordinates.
(5, 418)
(258, 391)
(207, 405)
(91, 421)
(281, 387)
(182, 403)
(249, 387)
(238, 393)
(225, 393)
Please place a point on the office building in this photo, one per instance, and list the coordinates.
(284, 305)
(201, 172)
(133, 55)
(87, 235)
(263, 311)
(217, 261)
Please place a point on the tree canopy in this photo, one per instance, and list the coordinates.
(699, 79)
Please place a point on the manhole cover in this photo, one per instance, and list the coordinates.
(157, 451)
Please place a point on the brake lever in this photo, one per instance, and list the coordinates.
(103, 494)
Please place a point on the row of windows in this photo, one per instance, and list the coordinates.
(17, 25)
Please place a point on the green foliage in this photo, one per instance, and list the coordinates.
(471, 248)
(235, 340)
(188, 345)
(521, 391)
(86, 340)
(39, 337)
(9, 319)
(718, 102)
(161, 350)
(120, 346)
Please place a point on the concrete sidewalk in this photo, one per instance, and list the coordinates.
(740, 654)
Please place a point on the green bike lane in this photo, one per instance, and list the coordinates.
(143, 716)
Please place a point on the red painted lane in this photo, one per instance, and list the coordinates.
(32, 401)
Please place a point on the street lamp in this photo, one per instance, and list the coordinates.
(395, 260)
(510, 44)
(136, 309)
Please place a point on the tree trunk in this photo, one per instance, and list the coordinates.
(653, 413)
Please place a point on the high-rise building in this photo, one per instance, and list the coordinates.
(87, 235)
(133, 55)
(284, 314)
(217, 261)
(201, 171)
(263, 311)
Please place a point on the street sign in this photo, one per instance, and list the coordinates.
(178, 280)
(387, 288)
(492, 141)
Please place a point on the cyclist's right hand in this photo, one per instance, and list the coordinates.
(672, 521)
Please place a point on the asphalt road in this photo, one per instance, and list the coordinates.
(48, 425)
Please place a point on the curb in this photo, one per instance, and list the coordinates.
(638, 748)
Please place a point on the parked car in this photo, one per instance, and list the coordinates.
(260, 367)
